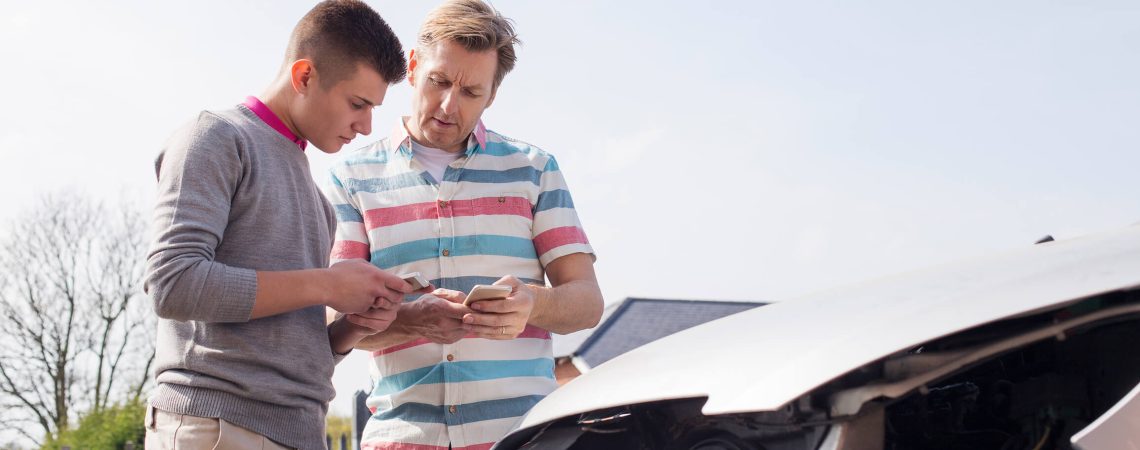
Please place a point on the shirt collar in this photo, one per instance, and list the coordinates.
(266, 115)
(403, 140)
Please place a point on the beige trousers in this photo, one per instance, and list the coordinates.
(169, 431)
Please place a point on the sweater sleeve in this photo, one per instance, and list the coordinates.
(198, 174)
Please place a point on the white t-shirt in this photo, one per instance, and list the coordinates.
(434, 160)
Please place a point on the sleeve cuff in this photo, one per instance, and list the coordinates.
(238, 296)
(564, 250)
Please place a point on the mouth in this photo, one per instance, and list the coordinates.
(344, 140)
(441, 123)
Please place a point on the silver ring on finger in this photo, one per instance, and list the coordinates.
(503, 330)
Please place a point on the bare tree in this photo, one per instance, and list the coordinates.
(74, 331)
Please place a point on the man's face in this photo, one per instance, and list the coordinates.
(331, 117)
(451, 88)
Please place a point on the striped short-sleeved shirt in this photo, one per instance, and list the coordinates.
(501, 209)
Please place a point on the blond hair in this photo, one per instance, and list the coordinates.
(475, 25)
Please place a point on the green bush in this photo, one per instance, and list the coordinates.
(336, 426)
(108, 429)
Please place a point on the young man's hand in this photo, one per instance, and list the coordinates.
(375, 320)
(502, 319)
(357, 286)
(372, 321)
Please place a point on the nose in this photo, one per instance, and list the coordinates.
(450, 104)
(364, 125)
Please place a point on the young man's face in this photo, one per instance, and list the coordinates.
(451, 88)
(331, 117)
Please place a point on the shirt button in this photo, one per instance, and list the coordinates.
(446, 252)
(451, 357)
(451, 409)
(443, 203)
(502, 199)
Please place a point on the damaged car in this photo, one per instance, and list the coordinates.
(1035, 348)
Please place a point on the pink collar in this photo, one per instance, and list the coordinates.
(267, 116)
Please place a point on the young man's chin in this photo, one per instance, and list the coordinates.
(329, 148)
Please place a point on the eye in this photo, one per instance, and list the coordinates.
(470, 93)
(357, 106)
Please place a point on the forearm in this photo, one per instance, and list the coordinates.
(569, 307)
(343, 337)
(281, 292)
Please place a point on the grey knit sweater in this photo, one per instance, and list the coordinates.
(235, 197)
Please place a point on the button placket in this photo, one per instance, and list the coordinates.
(446, 227)
(447, 232)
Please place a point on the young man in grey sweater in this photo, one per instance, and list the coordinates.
(238, 269)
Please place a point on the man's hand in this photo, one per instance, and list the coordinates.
(372, 321)
(376, 319)
(436, 317)
(347, 330)
(502, 319)
(357, 286)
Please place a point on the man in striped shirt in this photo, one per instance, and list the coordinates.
(463, 205)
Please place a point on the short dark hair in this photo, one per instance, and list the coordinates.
(336, 35)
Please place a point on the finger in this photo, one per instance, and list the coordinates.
(489, 320)
(385, 303)
(379, 313)
(392, 296)
(395, 283)
(488, 332)
(450, 295)
(456, 311)
(501, 306)
(385, 306)
(509, 280)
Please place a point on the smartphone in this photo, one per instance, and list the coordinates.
(416, 280)
(487, 292)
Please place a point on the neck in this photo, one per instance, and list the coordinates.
(278, 97)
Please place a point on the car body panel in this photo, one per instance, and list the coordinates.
(762, 359)
(1117, 428)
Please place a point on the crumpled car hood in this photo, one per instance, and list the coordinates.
(762, 359)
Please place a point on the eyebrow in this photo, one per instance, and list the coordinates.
(471, 87)
(369, 102)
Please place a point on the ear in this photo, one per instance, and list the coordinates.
(302, 74)
(412, 67)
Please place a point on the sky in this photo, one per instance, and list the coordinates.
(756, 150)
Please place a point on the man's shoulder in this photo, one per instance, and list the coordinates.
(213, 126)
(209, 123)
(376, 153)
(502, 145)
(208, 131)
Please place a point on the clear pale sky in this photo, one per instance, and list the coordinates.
(736, 150)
